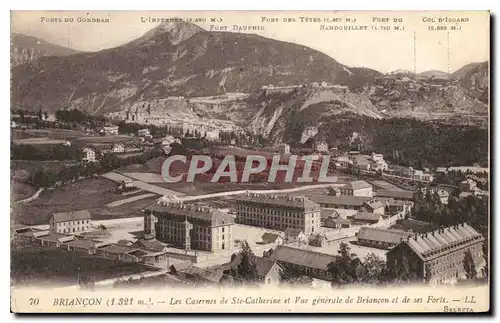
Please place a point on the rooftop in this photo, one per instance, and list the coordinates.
(366, 216)
(340, 200)
(263, 265)
(434, 243)
(191, 211)
(396, 194)
(71, 216)
(382, 235)
(301, 257)
(300, 202)
(357, 185)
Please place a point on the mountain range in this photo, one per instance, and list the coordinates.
(182, 59)
(27, 49)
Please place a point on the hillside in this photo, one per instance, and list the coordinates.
(475, 78)
(27, 49)
(171, 60)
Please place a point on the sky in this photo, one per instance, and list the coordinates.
(414, 48)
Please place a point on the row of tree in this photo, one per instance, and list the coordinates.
(53, 152)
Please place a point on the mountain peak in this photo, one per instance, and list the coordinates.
(178, 31)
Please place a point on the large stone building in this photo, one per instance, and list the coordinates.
(70, 222)
(189, 226)
(438, 256)
(279, 212)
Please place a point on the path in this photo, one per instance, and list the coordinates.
(129, 200)
(31, 198)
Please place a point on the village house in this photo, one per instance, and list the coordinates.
(110, 130)
(278, 212)
(357, 188)
(438, 256)
(88, 155)
(118, 148)
(396, 194)
(444, 196)
(340, 202)
(305, 262)
(377, 157)
(269, 237)
(51, 239)
(284, 149)
(380, 238)
(336, 222)
(143, 133)
(366, 218)
(294, 235)
(268, 270)
(468, 186)
(70, 222)
(374, 206)
(320, 146)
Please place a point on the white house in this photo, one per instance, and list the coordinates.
(88, 155)
(143, 133)
(357, 188)
(377, 157)
(70, 222)
(118, 148)
(284, 149)
(321, 146)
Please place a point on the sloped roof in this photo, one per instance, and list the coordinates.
(292, 232)
(71, 216)
(367, 216)
(433, 243)
(375, 204)
(270, 237)
(196, 211)
(302, 257)
(300, 202)
(396, 194)
(151, 244)
(356, 185)
(382, 235)
(340, 200)
(263, 265)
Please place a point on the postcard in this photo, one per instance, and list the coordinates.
(250, 161)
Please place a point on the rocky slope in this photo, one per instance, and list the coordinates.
(27, 49)
(175, 59)
(475, 78)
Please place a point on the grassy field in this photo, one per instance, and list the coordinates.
(24, 169)
(92, 194)
(59, 267)
(109, 139)
(61, 134)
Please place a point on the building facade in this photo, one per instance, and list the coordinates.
(88, 155)
(70, 222)
(438, 256)
(304, 262)
(380, 238)
(357, 188)
(189, 226)
(278, 212)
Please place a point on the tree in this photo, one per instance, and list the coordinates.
(373, 269)
(291, 276)
(346, 268)
(246, 271)
(469, 266)
(46, 115)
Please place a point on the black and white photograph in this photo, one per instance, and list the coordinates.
(250, 161)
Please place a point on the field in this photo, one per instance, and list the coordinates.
(108, 139)
(39, 141)
(59, 267)
(30, 166)
(92, 194)
(61, 134)
(20, 190)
